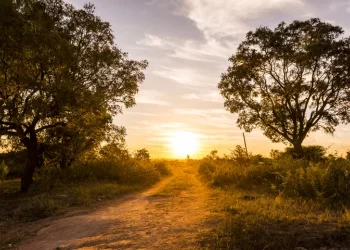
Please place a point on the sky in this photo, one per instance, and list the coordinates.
(187, 44)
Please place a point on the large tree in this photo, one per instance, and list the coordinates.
(58, 65)
(290, 81)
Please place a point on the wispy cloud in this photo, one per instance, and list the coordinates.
(185, 76)
(155, 41)
(212, 96)
(200, 112)
(223, 18)
(223, 24)
(151, 97)
(211, 51)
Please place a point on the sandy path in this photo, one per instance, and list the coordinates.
(140, 221)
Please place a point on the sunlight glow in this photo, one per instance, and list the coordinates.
(183, 144)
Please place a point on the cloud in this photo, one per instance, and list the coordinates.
(200, 112)
(210, 51)
(223, 18)
(212, 96)
(155, 41)
(185, 76)
(223, 24)
(151, 97)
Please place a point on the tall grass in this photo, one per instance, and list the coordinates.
(84, 184)
(326, 181)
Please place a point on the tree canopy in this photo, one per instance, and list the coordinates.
(59, 68)
(290, 81)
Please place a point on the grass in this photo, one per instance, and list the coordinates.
(183, 181)
(281, 205)
(21, 209)
(56, 192)
(256, 221)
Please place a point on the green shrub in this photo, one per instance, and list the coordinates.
(15, 161)
(327, 181)
(3, 171)
(313, 153)
(305, 182)
(38, 207)
(162, 168)
(127, 171)
(207, 168)
(336, 183)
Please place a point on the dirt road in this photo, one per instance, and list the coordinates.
(172, 215)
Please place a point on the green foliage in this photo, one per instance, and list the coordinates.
(239, 155)
(207, 168)
(142, 155)
(275, 222)
(310, 153)
(277, 82)
(64, 79)
(15, 160)
(326, 180)
(162, 168)
(4, 170)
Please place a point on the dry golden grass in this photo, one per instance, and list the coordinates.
(253, 220)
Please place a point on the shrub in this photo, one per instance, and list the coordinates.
(3, 171)
(327, 181)
(305, 182)
(239, 155)
(312, 153)
(15, 161)
(336, 183)
(162, 168)
(207, 168)
(142, 155)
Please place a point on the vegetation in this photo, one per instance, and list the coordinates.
(280, 202)
(290, 81)
(61, 80)
(86, 183)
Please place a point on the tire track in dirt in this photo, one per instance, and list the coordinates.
(141, 221)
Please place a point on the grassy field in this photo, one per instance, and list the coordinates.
(83, 187)
(276, 207)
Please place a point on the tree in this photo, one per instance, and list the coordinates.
(239, 155)
(58, 64)
(142, 155)
(290, 81)
(347, 155)
(63, 145)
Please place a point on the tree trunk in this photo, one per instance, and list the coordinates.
(298, 151)
(33, 162)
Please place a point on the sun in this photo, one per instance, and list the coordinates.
(183, 143)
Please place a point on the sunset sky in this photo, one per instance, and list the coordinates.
(187, 44)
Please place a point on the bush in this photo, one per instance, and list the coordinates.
(3, 171)
(207, 168)
(142, 155)
(305, 182)
(312, 153)
(327, 181)
(15, 161)
(336, 183)
(162, 168)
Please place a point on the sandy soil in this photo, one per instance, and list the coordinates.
(141, 221)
